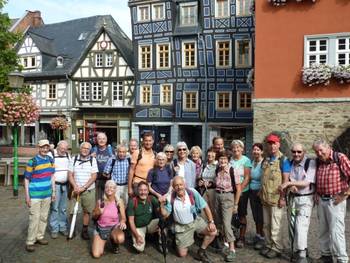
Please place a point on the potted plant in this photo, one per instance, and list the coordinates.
(316, 74)
(342, 74)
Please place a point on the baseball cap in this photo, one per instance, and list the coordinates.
(42, 143)
(272, 138)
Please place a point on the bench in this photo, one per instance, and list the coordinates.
(3, 172)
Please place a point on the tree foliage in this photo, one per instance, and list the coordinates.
(8, 57)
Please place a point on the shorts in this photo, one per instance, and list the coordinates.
(104, 232)
(184, 234)
(87, 201)
(243, 204)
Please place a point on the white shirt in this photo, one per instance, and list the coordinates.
(82, 171)
(182, 210)
(61, 167)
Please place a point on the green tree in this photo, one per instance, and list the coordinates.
(8, 57)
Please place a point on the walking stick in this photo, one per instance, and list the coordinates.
(292, 219)
(163, 237)
(74, 218)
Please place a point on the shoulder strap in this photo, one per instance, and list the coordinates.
(139, 157)
(282, 159)
(110, 150)
(307, 164)
(336, 159)
(129, 160)
(75, 159)
(135, 202)
(154, 174)
(233, 181)
(191, 196)
(34, 163)
(112, 165)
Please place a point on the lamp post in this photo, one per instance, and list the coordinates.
(16, 80)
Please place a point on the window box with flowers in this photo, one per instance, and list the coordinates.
(317, 74)
(284, 2)
(342, 74)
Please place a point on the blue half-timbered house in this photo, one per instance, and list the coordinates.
(192, 58)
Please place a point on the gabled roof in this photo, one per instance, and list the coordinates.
(72, 40)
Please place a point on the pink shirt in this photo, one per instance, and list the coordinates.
(109, 216)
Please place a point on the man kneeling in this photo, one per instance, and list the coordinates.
(185, 204)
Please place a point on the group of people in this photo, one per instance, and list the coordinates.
(137, 189)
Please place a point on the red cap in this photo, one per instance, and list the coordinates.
(272, 138)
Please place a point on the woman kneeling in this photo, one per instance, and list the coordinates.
(108, 225)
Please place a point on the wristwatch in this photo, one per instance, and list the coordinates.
(211, 222)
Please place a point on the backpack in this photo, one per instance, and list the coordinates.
(109, 149)
(82, 161)
(336, 160)
(192, 200)
(232, 175)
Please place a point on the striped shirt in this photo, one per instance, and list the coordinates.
(83, 169)
(39, 171)
(120, 169)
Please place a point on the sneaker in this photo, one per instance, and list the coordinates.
(230, 257)
(202, 256)
(85, 234)
(116, 249)
(43, 242)
(64, 233)
(264, 251)
(302, 260)
(240, 243)
(54, 235)
(259, 245)
(30, 248)
(272, 254)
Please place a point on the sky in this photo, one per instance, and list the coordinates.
(53, 11)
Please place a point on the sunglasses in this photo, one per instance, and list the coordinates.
(297, 151)
(169, 151)
(182, 150)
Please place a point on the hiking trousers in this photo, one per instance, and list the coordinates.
(273, 227)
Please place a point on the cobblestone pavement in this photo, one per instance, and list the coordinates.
(13, 229)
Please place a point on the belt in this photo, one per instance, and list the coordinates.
(122, 184)
(297, 194)
(60, 183)
(223, 192)
(328, 197)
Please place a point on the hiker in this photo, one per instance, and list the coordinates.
(169, 152)
(300, 201)
(254, 199)
(332, 190)
(228, 191)
(58, 221)
(102, 152)
(196, 157)
(39, 185)
(82, 175)
(242, 167)
(276, 169)
(142, 216)
(141, 162)
(183, 166)
(185, 204)
(117, 169)
(133, 146)
(159, 178)
(108, 223)
(218, 145)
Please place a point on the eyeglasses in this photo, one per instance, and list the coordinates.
(182, 150)
(297, 151)
(169, 151)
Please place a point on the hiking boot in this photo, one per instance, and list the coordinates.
(302, 260)
(43, 242)
(259, 245)
(202, 256)
(85, 234)
(30, 248)
(272, 254)
(116, 249)
(54, 235)
(230, 257)
(217, 244)
(240, 243)
(264, 251)
(64, 233)
(324, 259)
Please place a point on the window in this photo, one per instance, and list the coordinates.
(222, 8)
(59, 62)
(332, 49)
(118, 93)
(145, 57)
(96, 91)
(163, 58)
(166, 94)
(146, 92)
(99, 60)
(189, 54)
(223, 101)
(245, 100)
(188, 14)
(243, 53)
(109, 59)
(29, 62)
(143, 13)
(243, 7)
(190, 101)
(223, 54)
(158, 12)
(84, 91)
(51, 92)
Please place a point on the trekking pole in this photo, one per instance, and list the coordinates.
(74, 218)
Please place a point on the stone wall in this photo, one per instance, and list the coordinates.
(304, 121)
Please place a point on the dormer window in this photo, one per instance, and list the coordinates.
(59, 61)
(82, 36)
(188, 14)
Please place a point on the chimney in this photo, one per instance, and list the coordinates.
(36, 18)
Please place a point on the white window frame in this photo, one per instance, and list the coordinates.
(140, 57)
(117, 93)
(49, 86)
(218, 108)
(237, 64)
(218, 56)
(154, 6)
(243, 8)
(139, 13)
(162, 98)
(84, 91)
(96, 90)
(158, 56)
(183, 54)
(184, 106)
(332, 50)
(109, 59)
(29, 62)
(224, 13)
(98, 60)
(188, 22)
(239, 94)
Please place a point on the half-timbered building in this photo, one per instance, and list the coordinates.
(192, 58)
(83, 70)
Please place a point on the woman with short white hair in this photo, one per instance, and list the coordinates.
(183, 166)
